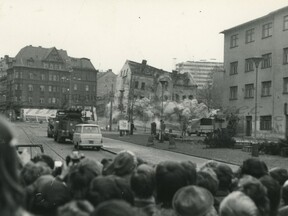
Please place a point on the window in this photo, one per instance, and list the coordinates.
(49, 100)
(233, 92)
(142, 86)
(75, 87)
(249, 65)
(46, 65)
(285, 85)
(136, 84)
(30, 75)
(285, 56)
(285, 23)
(42, 88)
(265, 122)
(30, 99)
(30, 87)
(266, 89)
(41, 100)
(53, 100)
(54, 89)
(54, 78)
(234, 41)
(233, 68)
(50, 88)
(16, 87)
(267, 30)
(87, 87)
(16, 74)
(50, 77)
(42, 76)
(250, 36)
(249, 90)
(267, 61)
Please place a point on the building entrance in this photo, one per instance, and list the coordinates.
(248, 125)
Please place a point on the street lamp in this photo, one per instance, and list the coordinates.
(256, 60)
(163, 83)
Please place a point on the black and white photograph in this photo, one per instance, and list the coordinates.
(143, 108)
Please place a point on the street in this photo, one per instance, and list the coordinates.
(35, 133)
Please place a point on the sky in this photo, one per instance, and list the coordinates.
(109, 32)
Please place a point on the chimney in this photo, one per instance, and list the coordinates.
(144, 63)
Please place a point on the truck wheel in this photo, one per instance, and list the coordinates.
(59, 139)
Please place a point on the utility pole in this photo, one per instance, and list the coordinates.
(111, 101)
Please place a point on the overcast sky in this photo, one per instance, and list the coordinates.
(109, 32)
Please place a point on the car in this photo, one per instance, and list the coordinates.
(87, 135)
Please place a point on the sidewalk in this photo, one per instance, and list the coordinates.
(198, 149)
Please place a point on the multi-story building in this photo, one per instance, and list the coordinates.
(105, 84)
(139, 80)
(48, 78)
(201, 71)
(265, 37)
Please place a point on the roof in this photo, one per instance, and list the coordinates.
(257, 19)
(144, 68)
(38, 55)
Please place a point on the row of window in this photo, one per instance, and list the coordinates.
(55, 77)
(54, 88)
(250, 33)
(249, 90)
(54, 100)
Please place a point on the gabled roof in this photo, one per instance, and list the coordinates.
(257, 19)
(136, 67)
(40, 54)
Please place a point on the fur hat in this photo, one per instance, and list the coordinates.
(279, 174)
(254, 167)
(193, 200)
(238, 204)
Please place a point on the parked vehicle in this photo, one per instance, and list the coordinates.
(65, 123)
(205, 126)
(87, 135)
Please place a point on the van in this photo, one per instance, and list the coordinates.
(87, 135)
(205, 126)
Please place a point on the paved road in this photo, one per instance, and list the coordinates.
(36, 133)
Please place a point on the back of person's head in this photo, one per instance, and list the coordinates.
(193, 200)
(11, 195)
(114, 208)
(80, 176)
(124, 163)
(170, 176)
(76, 208)
(32, 171)
(238, 204)
(142, 181)
(207, 178)
(103, 188)
(224, 175)
(285, 193)
(191, 169)
(253, 188)
(279, 174)
(254, 167)
(49, 193)
(273, 192)
(44, 158)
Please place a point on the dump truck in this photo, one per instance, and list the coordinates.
(65, 124)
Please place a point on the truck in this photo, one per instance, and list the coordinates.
(205, 125)
(65, 124)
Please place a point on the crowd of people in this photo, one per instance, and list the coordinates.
(129, 186)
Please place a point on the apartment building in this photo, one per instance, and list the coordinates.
(140, 80)
(265, 37)
(201, 71)
(40, 77)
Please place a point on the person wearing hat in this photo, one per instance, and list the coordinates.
(193, 200)
(12, 194)
(76, 208)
